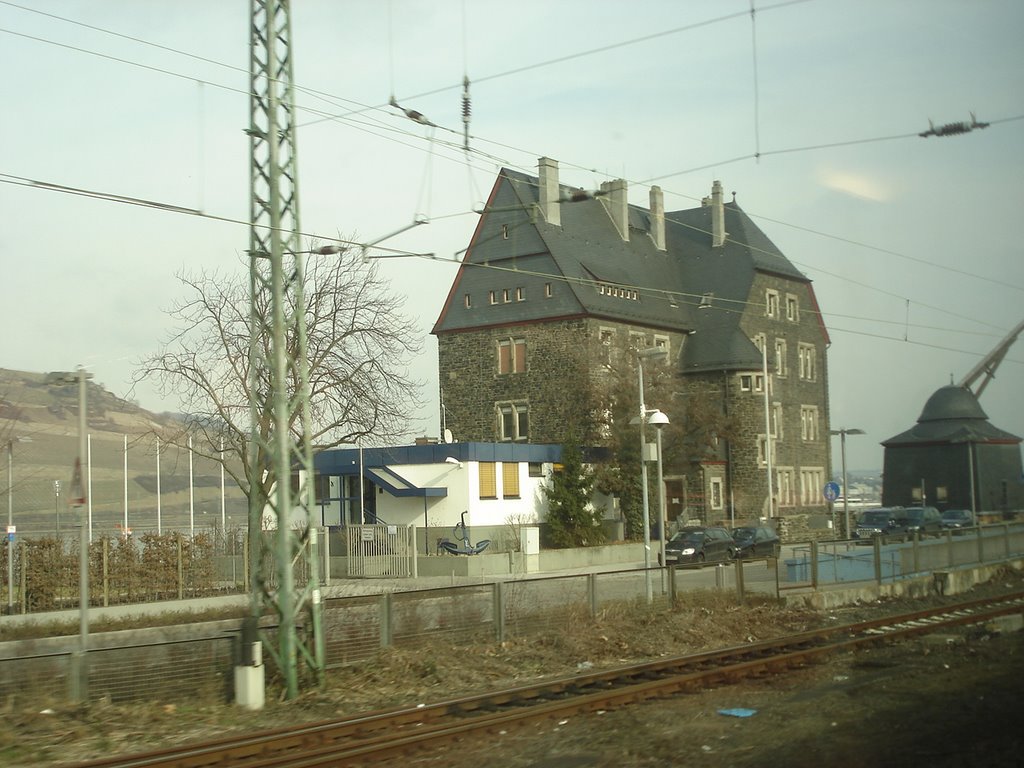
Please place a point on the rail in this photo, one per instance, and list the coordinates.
(408, 730)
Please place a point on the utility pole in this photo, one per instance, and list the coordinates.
(277, 357)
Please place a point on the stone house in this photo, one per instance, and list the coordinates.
(555, 275)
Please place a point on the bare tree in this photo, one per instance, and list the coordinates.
(358, 345)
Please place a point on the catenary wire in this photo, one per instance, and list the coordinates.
(333, 99)
(592, 51)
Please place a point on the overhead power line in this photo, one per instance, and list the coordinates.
(377, 128)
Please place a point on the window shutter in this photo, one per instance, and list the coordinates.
(488, 480)
(510, 480)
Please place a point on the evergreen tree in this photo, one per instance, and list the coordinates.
(572, 519)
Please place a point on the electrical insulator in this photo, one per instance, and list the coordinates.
(466, 109)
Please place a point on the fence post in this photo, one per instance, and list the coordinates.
(106, 572)
(739, 580)
(949, 548)
(877, 545)
(670, 574)
(814, 565)
(24, 569)
(181, 574)
(384, 606)
(498, 601)
(592, 594)
(981, 546)
(1006, 538)
(327, 556)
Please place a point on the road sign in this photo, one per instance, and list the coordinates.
(830, 492)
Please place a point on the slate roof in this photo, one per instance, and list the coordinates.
(951, 415)
(586, 250)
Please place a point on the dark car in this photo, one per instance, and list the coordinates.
(923, 521)
(755, 541)
(880, 521)
(697, 544)
(957, 518)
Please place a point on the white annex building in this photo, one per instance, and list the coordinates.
(434, 487)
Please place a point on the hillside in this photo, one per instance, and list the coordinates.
(39, 423)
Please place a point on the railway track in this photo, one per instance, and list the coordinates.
(375, 736)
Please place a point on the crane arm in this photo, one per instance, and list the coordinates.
(986, 369)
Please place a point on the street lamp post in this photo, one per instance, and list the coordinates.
(80, 674)
(842, 450)
(641, 355)
(659, 420)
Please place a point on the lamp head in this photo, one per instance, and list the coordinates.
(658, 419)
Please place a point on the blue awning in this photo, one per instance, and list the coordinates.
(397, 485)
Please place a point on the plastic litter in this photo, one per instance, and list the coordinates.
(738, 712)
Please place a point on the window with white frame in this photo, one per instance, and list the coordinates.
(812, 480)
(807, 355)
(661, 342)
(759, 340)
(717, 497)
(513, 422)
(548, 291)
(809, 423)
(792, 308)
(762, 451)
(520, 294)
(511, 355)
(785, 487)
(746, 382)
(771, 303)
(781, 367)
(777, 430)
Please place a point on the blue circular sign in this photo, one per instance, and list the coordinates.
(830, 491)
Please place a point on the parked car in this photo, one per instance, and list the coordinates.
(756, 541)
(924, 521)
(697, 544)
(880, 521)
(957, 518)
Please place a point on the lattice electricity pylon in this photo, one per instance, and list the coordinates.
(278, 368)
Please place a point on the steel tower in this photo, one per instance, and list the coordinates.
(284, 568)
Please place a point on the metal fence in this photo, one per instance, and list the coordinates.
(880, 561)
(357, 628)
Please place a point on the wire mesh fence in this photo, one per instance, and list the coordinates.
(357, 628)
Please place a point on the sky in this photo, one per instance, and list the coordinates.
(809, 111)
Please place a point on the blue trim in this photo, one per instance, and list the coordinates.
(345, 461)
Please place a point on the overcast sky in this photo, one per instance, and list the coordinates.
(911, 242)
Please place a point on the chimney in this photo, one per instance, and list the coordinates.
(549, 206)
(617, 206)
(717, 216)
(658, 218)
